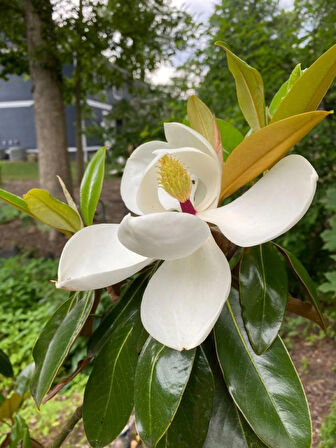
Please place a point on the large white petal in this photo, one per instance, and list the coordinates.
(270, 207)
(94, 258)
(199, 164)
(166, 236)
(180, 136)
(135, 168)
(184, 297)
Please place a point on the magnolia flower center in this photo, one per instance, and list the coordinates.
(175, 179)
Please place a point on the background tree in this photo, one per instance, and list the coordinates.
(36, 48)
(115, 43)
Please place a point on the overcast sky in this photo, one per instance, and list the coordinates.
(201, 10)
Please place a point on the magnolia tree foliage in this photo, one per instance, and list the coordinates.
(193, 342)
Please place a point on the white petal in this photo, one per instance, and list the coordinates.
(180, 136)
(94, 258)
(199, 164)
(184, 297)
(270, 207)
(134, 170)
(165, 236)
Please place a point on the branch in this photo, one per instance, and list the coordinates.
(68, 427)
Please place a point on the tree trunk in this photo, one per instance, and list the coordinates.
(78, 98)
(79, 129)
(46, 74)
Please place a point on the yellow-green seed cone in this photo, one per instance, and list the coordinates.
(174, 178)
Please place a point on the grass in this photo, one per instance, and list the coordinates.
(18, 171)
(29, 171)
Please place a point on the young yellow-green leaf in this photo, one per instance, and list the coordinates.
(9, 406)
(201, 118)
(67, 195)
(309, 90)
(51, 211)
(266, 388)
(156, 401)
(15, 201)
(285, 88)
(249, 87)
(56, 339)
(230, 137)
(262, 149)
(91, 185)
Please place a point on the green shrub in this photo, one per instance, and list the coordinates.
(27, 300)
(328, 429)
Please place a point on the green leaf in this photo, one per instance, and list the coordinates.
(249, 87)
(266, 388)
(20, 433)
(161, 377)
(230, 136)
(262, 149)
(5, 365)
(126, 308)
(263, 294)
(309, 90)
(228, 428)
(56, 339)
(51, 211)
(15, 201)
(24, 379)
(201, 118)
(191, 422)
(285, 88)
(305, 279)
(91, 185)
(109, 394)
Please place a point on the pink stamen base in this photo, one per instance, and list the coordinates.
(187, 207)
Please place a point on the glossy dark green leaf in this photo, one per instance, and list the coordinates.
(5, 365)
(56, 339)
(127, 306)
(109, 394)
(305, 279)
(161, 377)
(91, 186)
(266, 388)
(230, 137)
(263, 294)
(228, 428)
(236, 258)
(191, 422)
(20, 434)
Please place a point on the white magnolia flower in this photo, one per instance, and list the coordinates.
(174, 186)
